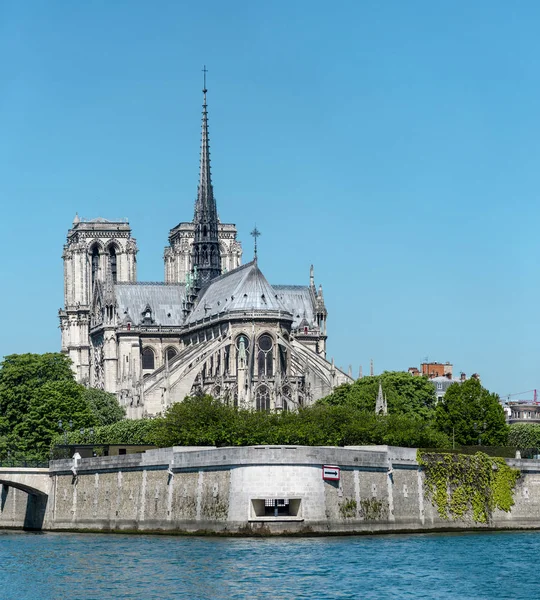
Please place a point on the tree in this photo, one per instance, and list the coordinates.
(36, 392)
(55, 401)
(104, 406)
(406, 394)
(21, 375)
(472, 415)
(202, 421)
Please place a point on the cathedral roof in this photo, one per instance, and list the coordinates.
(297, 299)
(243, 289)
(165, 301)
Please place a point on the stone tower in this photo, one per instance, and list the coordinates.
(94, 248)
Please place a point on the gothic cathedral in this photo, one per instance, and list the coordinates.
(214, 326)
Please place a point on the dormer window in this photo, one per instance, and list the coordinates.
(147, 318)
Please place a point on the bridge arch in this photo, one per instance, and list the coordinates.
(24, 510)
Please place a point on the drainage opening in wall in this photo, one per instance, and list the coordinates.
(276, 509)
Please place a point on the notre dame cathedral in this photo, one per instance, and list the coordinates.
(213, 326)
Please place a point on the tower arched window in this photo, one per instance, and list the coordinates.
(95, 264)
(262, 398)
(148, 359)
(265, 356)
(113, 264)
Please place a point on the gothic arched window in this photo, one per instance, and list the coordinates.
(95, 264)
(265, 357)
(262, 398)
(112, 263)
(171, 353)
(242, 352)
(148, 360)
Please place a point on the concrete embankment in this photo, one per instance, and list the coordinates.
(251, 490)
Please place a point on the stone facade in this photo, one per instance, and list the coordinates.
(93, 249)
(178, 254)
(249, 490)
(214, 326)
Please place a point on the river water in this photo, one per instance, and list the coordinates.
(59, 566)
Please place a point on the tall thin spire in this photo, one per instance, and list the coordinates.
(381, 404)
(206, 258)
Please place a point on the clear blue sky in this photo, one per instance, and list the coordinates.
(394, 145)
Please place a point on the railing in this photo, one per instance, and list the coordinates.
(32, 463)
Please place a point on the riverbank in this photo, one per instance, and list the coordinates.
(253, 491)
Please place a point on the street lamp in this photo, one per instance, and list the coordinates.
(63, 430)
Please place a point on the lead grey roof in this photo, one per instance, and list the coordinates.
(165, 300)
(243, 289)
(298, 301)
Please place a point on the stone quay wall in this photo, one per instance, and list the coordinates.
(224, 490)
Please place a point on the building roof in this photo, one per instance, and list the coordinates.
(242, 289)
(298, 301)
(444, 378)
(165, 300)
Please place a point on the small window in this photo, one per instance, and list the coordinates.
(148, 360)
(122, 451)
(276, 508)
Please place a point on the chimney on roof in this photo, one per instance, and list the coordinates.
(463, 377)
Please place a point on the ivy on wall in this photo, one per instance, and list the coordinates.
(459, 484)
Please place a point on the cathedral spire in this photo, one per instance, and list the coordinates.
(206, 258)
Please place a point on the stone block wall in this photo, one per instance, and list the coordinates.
(225, 489)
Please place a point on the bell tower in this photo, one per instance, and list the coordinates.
(94, 248)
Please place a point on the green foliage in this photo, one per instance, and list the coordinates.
(55, 401)
(104, 406)
(524, 435)
(406, 394)
(347, 509)
(200, 421)
(372, 509)
(460, 484)
(21, 376)
(128, 431)
(471, 413)
(36, 392)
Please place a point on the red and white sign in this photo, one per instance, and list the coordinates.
(330, 473)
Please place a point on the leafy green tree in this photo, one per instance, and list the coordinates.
(36, 392)
(55, 401)
(104, 406)
(205, 421)
(21, 375)
(406, 394)
(197, 421)
(471, 414)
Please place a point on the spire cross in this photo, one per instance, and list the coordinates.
(255, 233)
(205, 71)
